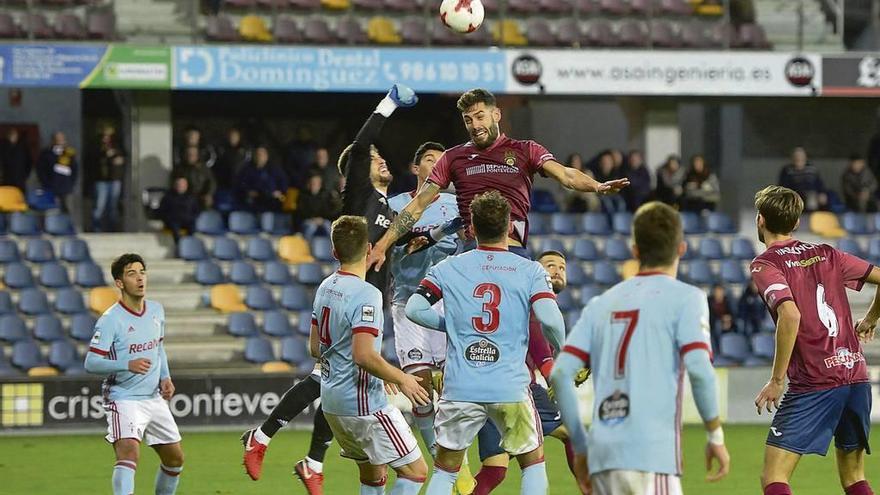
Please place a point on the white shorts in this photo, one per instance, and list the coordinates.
(620, 482)
(457, 424)
(417, 347)
(148, 420)
(383, 437)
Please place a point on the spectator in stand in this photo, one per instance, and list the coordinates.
(617, 157)
(859, 186)
(720, 315)
(15, 158)
(639, 189)
(200, 180)
(702, 191)
(57, 169)
(300, 156)
(670, 181)
(192, 137)
(179, 209)
(109, 172)
(232, 156)
(751, 310)
(261, 185)
(329, 173)
(577, 202)
(805, 180)
(605, 171)
(315, 206)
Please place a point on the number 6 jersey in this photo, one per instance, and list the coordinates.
(487, 295)
(827, 352)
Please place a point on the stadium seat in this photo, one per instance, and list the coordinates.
(241, 325)
(275, 223)
(243, 223)
(538, 224)
(252, 27)
(588, 292)
(226, 249)
(742, 249)
(101, 298)
(226, 298)
(595, 224)
(350, 30)
(402, 5)
(47, 328)
(874, 250)
(543, 201)
(585, 249)
(260, 249)
(69, 301)
(192, 249)
(209, 273)
(101, 24)
(691, 223)
(276, 273)
(539, 33)
(33, 301)
(564, 224)
(693, 35)
(276, 324)
(322, 249)
(88, 274)
(295, 351)
(276, 367)
(6, 305)
(665, 35)
(720, 223)
(12, 199)
(12, 328)
(565, 301)
(569, 32)
(413, 30)
(39, 251)
(690, 253)
(285, 30)
(243, 273)
(18, 276)
(617, 249)
(304, 322)
(764, 345)
(317, 31)
(599, 33)
(82, 326)
(258, 350)
(856, 223)
(26, 354)
(674, 8)
(75, 250)
(382, 31)
(826, 224)
(700, 273)
(731, 272)
(309, 273)
(734, 346)
(551, 245)
(605, 273)
(629, 269)
(509, 32)
(711, 249)
(555, 6)
(294, 249)
(210, 222)
(59, 224)
(24, 224)
(69, 26)
(751, 35)
(575, 275)
(9, 251)
(851, 246)
(63, 355)
(621, 222)
(54, 275)
(259, 298)
(295, 298)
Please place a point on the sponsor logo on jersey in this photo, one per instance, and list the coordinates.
(614, 408)
(383, 221)
(804, 263)
(491, 168)
(796, 250)
(843, 357)
(143, 346)
(482, 353)
(414, 354)
(368, 313)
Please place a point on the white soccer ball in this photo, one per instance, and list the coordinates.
(462, 16)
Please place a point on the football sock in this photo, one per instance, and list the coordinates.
(569, 454)
(488, 478)
(167, 479)
(373, 487)
(322, 435)
(314, 465)
(123, 477)
(294, 401)
(407, 486)
(261, 436)
(777, 489)
(534, 479)
(859, 488)
(424, 418)
(441, 482)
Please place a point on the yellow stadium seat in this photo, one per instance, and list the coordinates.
(101, 298)
(382, 31)
(509, 32)
(276, 367)
(295, 249)
(12, 199)
(336, 4)
(290, 199)
(825, 224)
(43, 371)
(253, 28)
(226, 298)
(629, 269)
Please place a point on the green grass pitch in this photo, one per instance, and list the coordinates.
(82, 465)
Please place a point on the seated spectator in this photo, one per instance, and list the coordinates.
(179, 209)
(751, 310)
(15, 159)
(192, 137)
(859, 186)
(670, 181)
(605, 171)
(57, 169)
(702, 191)
(315, 206)
(639, 189)
(804, 178)
(329, 173)
(199, 178)
(232, 157)
(720, 315)
(299, 156)
(575, 201)
(261, 185)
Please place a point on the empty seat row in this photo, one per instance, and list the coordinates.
(275, 323)
(97, 25)
(621, 223)
(31, 224)
(34, 301)
(27, 355)
(54, 275)
(47, 327)
(294, 350)
(211, 222)
(243, 273)
(525, 7)
(618, 249)
(293, 249)
(736, 349)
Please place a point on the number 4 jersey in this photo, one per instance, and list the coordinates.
(827, 352)
(487, 295)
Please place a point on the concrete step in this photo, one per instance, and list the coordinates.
(151, 246)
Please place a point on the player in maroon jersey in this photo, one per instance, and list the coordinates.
(817, 347)
(490, 160)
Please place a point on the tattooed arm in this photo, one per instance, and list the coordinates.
(403, 223)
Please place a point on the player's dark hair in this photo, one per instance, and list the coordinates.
(349, 237)
(117, 268)
(342, 163)
(781, 208)
(424, 148)
(474, 96)
(550, 252)
(490, 216)
(657, 234)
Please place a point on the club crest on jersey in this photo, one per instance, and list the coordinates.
(368, 313)
(614, 408)
(414, 354)
(510, 158)
(482, 353)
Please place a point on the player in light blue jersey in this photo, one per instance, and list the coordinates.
(640, 337)
(128, 347)
(346, 335)
(487, 294)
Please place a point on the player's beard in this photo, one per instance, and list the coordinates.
(492, 134)
(558, 286)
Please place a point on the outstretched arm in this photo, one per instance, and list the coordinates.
(552, 322)
(572, 178)
(403, 223)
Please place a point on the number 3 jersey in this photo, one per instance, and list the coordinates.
(827, 352)
(487, 295)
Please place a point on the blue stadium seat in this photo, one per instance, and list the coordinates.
(764, 345)
(734, 346)
(89, 274)
(538, 224)
(304, 322)
(75, 250)
(39, 251)
(711, 249)
(33, 301)
(543, 201)
(564, 224)
(69, 302)
(851, 246)
(9, 251)
(59, 224)
(720, 223)
(309, 273)
(6, 368)
(605, 273)
(575, 275)
(82, 326)
(742, 249)
(295, 351)
(585, 249)
(48, 328)
(276, 324)
(63, 355)
(690, 253)
(12, 328)
(617, 249)
(260, 249)
(731, 272)
(276, 223)
(571, 317)
(295, 298)
(18, 276)
(243, 223)
(551, 245)
(24, 224)
(242, 325)
(621, 222)
(595, 224)
(700, 273)
(226, 249)
(243, 273)
(41, 199)
(6, 305)
(54, 275)
(26, 354)
(691, 223)
(192, 249)
(210, 222)
(565, 301)
(209, 273)
(856, 223)
(276, 273)
(258, 350)
(224, 201)
(322, 248)
(259, 298)
(588, 292)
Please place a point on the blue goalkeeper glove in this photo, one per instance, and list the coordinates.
(403, 96)
(433, 235)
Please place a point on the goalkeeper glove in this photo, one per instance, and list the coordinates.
(433, 235)
(582, 375)
(403, 96)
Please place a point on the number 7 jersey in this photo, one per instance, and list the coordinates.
(487, 295)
